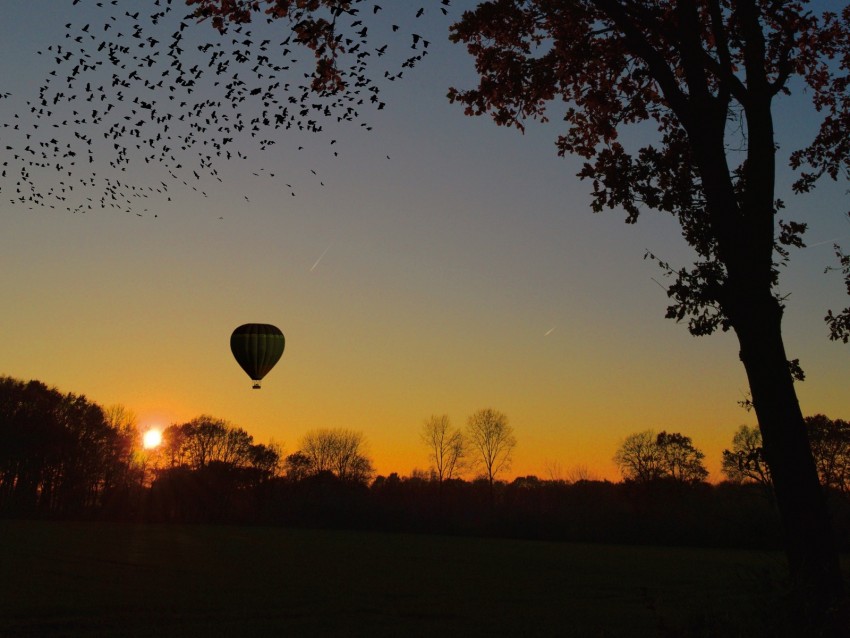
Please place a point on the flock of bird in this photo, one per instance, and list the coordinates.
(160, 90)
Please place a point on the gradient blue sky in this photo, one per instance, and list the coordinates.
(464, 272)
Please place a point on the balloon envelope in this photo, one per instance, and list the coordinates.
(257, 347)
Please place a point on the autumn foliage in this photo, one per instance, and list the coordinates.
(704, 74)
(331, 29)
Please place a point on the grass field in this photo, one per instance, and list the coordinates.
(100, 579)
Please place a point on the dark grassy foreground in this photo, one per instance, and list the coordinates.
(75, 579)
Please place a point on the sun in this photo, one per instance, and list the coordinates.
(152, 438)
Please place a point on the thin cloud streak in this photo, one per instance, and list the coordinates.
(313, 267)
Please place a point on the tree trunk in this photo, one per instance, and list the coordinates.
(809, 543)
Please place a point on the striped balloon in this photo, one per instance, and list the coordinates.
(257, 347)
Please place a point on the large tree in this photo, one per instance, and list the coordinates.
(207, 440)
(492, 440)
(446, 446)
(688, 67)
(339, 451)
(638, 458)
(646, 456)
(685, 66)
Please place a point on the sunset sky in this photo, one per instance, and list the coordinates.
(438, 265)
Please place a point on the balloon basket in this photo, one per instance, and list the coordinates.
(256, 385)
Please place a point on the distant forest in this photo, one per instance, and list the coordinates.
(64, 456)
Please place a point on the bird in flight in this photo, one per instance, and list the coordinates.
(132, 108)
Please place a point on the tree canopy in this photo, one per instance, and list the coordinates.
(700, 72)
(58, 452)
(646, 456)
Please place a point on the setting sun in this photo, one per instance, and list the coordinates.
(152, 438)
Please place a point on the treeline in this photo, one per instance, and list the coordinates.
(59, 453)
(62, 455)
(659, 512)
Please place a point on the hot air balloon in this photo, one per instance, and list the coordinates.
(257, 347)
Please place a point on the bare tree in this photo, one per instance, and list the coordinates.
(235, 447)
(318, 446)
(493, 440)
(638, 458)
(174, 450)
(349, 460)
(206, 439)
(120, 418)
(339, 451)
(123, 421)
(554, 470)
(580, 472)
(646, 456)
(446, 446)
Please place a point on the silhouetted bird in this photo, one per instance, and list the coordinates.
(177, 105)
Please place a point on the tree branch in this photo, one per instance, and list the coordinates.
(641, 47)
